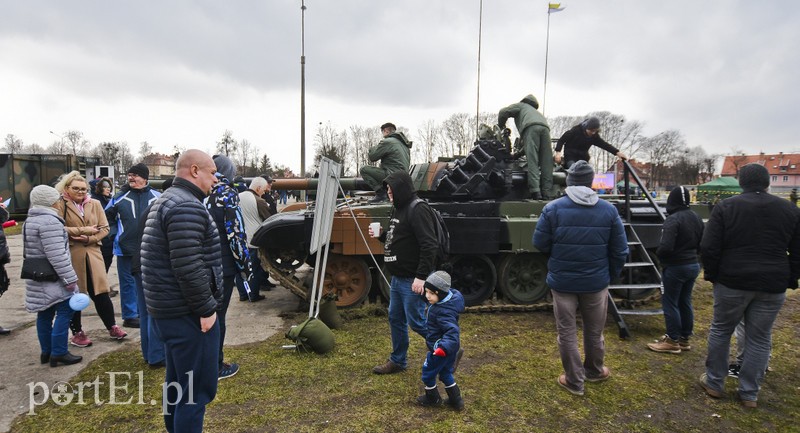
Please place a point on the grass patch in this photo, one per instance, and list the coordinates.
(508, 379)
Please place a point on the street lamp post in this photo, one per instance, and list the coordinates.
(303, 91)
(60, 141)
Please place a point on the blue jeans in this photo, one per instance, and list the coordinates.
(152, 346)
(191, 355)
(127, 288)
(677, 299)
(759, 310)
(441, 366)
(53, 336)
(406, 308)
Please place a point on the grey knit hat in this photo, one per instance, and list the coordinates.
(438, 282)
(44, 196)
(580, 174)
(753, 177)
(591, 123)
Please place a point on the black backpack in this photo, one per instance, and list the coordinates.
(442, 235)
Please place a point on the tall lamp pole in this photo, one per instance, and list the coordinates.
(60, 139)
(478, 99)
(303, 91)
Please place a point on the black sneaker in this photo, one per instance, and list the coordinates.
(733, 370)
(131, 323)
(228, 370)
(256, 298)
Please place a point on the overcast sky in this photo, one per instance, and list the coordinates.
(181, 72)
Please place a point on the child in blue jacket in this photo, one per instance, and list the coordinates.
(443, 338)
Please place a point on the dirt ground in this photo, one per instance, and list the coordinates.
(19, 351)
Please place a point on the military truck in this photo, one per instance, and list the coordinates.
(483, 200)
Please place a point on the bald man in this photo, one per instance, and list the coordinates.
(182, 275)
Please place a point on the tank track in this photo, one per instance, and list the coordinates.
(291, 281)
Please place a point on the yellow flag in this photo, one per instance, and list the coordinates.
(554, 7)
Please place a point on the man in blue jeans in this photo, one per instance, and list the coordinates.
(409, 253)
(125, 210)
(751, 252)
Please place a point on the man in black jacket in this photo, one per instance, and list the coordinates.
(182, 275)
(410, 254)
(577, 141)
(751, 252)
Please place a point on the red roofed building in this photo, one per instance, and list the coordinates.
(783, 168)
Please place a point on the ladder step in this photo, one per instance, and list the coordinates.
(641, 312)
(633, 243)
(634, 286)
(637, 264)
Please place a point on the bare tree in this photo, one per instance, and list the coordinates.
(13, 144)
(124, 158)
(430, 137)
(145, 149)
(76, 143)
(33, 149)
(361, 140)
(226, 145)
(241, 157)
(330, 144)
(57, 147)
(458, 132)
(660, 150)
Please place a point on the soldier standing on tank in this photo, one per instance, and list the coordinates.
(535, 135)
(394, 153)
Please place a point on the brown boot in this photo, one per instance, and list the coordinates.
(388, 367)
(665, 345)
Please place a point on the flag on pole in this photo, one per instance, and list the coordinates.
(554, 7)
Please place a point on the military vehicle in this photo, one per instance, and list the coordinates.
(483, 199)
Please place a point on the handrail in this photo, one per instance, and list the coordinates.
(630, 172)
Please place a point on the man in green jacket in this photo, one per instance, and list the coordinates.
(535, 134)
(394, 152)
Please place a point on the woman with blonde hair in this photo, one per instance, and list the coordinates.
(86, 225)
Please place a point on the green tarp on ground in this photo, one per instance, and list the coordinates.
(722, 186)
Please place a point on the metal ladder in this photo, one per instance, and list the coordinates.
(639, 272)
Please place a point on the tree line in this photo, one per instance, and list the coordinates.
(668, 158)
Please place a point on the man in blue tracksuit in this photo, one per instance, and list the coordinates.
(125, 210)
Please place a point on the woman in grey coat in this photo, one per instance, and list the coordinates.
(45, 236)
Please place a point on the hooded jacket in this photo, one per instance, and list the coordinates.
(585, 241)
(576, 144)
(394, 152)
(525, 114)
(682, 231)
(441, 323)
(410, 242)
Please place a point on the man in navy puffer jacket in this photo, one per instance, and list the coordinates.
(586, 244)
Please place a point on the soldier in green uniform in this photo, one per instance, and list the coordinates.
(535, 134)
(394, 153)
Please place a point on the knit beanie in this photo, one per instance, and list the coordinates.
(580, 174)
(140, 170)
(225, 167)
(44, 196)
(591, 123)
(753, 177)
(438, 282)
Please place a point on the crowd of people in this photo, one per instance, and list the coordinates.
(203, 221)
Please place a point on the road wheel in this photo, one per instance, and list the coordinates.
(349, 278)
(522, 278)
(474, 276)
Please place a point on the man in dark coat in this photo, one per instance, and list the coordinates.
(751, 252)
(394, 153)
(535, 135)
(577, 141)
(182, 275)
(409, 253)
